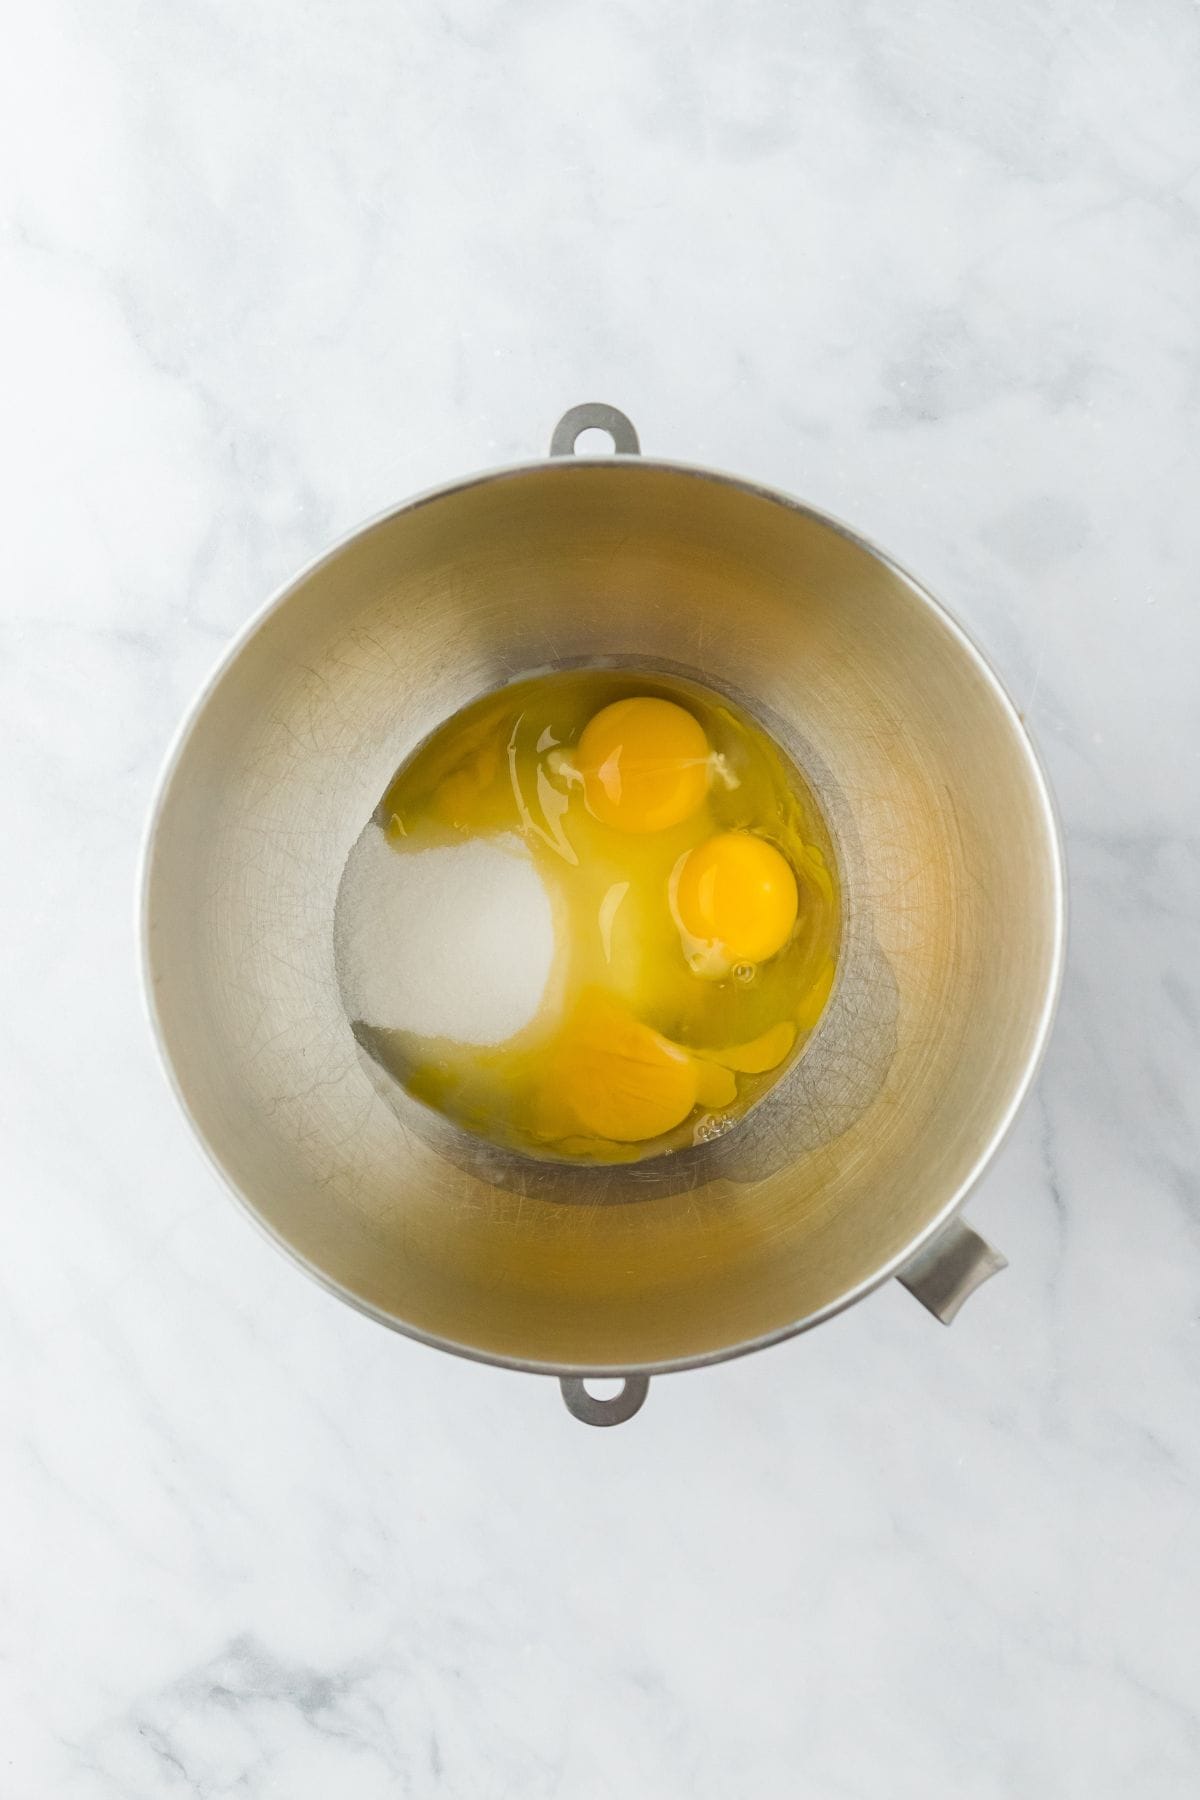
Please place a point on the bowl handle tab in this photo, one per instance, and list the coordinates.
(613, 1410)
(594, 415)
(949, 1268)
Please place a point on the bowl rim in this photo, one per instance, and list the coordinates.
(568, 468)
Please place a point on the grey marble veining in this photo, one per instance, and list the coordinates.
(265, 271)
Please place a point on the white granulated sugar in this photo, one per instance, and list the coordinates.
(455, 942)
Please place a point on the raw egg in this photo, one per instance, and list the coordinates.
(616, 1077)
(691, 885)
(644, 764)
(735, 900)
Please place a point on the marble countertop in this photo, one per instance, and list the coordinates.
(268, 269)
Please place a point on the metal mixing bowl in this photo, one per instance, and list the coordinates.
(854, 1167)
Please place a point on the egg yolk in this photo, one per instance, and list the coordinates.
(458, 798)
(736, 893)
(762, 1053)
(644, 764)
(617, 1078)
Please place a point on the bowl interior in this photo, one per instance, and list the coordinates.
(952, 930)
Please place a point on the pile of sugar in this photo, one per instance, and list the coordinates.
(455, 942)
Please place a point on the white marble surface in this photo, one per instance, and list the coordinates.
(269, 268)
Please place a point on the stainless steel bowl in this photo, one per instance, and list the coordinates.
(854, 1168)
